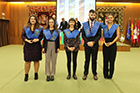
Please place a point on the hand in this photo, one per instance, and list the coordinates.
(73, 48)
(58, 50)
(108, 44)
(29, 41)
(70, 48)
(35, 40)
(43, 50)
(90, 44)
(93, 43)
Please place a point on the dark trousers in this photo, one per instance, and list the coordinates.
(68, 53)
(109, 55)
(88, 52)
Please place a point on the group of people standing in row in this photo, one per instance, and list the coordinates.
(33, 33)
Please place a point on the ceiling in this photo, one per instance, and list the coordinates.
(133, 1)
(32, 0)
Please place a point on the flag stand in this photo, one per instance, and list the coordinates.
(134, 44)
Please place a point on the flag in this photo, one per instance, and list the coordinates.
(132, 27)
(129, 32)
(135, 32)
(138, 31)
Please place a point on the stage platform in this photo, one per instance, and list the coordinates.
(120, 47)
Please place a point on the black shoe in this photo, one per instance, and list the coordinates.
(36, 76)
(26, 78)
(95, 77)
(48, 78)
(84, 77)
(68, 77)
(52, 78)
(75, 77)
(105, 77)
(109, 77)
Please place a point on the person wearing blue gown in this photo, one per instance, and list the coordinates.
(32, 34)
(91, 33)
(111, 33)
(51, 47)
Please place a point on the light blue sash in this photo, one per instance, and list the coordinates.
(50, 36)
(109, 33)
(34, 35)
(71, 35)
(93, 31)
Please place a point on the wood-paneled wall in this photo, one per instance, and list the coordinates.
(19, 14)
(130, 11)
(4, 8)
(4, 23)
(4, 36)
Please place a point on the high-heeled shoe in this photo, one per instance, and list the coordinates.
(26, 78)
(84, 77)
(95, 77)
(36, 76)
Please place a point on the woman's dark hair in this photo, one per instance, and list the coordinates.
(37, 25)
(55, 25)
(72, 19)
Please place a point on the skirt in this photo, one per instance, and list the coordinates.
(32, 52)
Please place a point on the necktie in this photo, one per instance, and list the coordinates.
(91, 25)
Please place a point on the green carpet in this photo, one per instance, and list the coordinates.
(126, 78)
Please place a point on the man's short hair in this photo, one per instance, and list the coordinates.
(92, 11)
